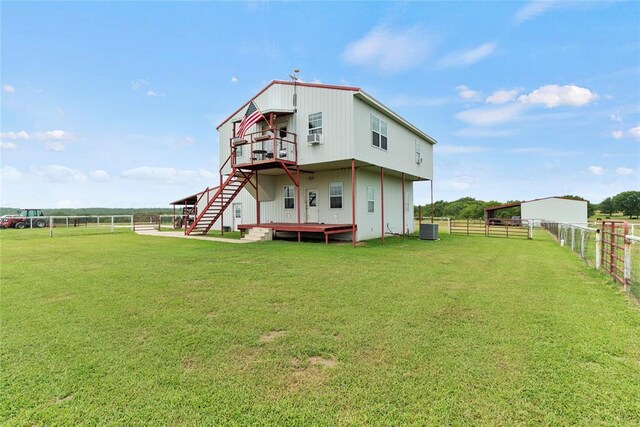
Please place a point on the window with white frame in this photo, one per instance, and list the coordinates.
(289, 198)
(335, 195)
(418, 156)
(378, 133)
(406, 201)
(371, 199)
(315, 123)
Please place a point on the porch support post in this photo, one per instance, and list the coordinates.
(271, 122)
(382, 203)
(353, 202)
(298, 201)
(404, 214)
(257, 201)
(432, 207)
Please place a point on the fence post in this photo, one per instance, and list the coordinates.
(467, 227)
(50, 226)
(598, 252)
(582, 234)
(530, 230)
(133, 227)
(627, 263)
(112, 225)
(573, 238)
(449, 224)
(159, 221)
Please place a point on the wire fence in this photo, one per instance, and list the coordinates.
(58, 226)
(610, 254)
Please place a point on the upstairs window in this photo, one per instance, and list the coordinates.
(335, 195)
(378, 133)
(315, 123)
(289, 198)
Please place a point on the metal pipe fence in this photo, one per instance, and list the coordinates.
(610, 247)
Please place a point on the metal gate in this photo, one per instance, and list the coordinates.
(499, 228)
(613, 235)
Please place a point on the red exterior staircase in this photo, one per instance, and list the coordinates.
(221, 200)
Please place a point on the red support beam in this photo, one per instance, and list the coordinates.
(382, 202)
(353, 202)
(298, 201)
(432, 207)
(257, 202)
(404, 214)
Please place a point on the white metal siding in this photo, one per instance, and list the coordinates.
(556, 209)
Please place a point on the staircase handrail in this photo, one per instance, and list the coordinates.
(203, 211)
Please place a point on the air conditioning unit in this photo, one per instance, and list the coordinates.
(314, 138)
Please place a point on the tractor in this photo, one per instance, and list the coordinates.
(33, 218)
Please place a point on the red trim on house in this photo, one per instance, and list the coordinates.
(286, 83)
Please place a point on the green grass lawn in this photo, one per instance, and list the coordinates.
(127, 329)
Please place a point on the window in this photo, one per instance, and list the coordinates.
(335, 195)
(289, 198)
(378, 133)
(418, 156)
(370, 199)
(315, 123)
(406, 201)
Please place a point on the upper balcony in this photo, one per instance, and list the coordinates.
(265, 149)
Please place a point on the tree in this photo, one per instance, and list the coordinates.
(590, 208)
(607, 206)
(628, 202)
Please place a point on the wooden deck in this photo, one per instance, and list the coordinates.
(326, 229)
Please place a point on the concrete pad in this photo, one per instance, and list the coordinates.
(180, 234)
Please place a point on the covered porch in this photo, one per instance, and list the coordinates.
(308, 228)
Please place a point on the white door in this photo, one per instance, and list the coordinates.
(312, 205)
(237, 215)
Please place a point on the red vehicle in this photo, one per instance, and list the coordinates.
(32, 218)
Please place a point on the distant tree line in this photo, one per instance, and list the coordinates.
(627, 203)
(470, 208)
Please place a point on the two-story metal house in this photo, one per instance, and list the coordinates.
(321, 159)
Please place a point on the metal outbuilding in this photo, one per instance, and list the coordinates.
(552, 209)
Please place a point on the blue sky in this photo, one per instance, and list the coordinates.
(116, 104)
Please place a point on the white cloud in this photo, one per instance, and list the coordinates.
(8, 89)
(54, 146)
(410, 101)
(502, 96)
(162, 175)
(490, 116)
(389, 50)
(533, 9)
(468, 57)
(544, 151)
(187, 140)
(466, 93)
(135, 85)
(459, 183)
(596, 170)
(14, 135)
(234, 79)
(554, 96)
(99, 175)
(624, 171)
(458, 149)
(152, 93)
(617, 134)
(7, 145)
(57, 173)
(635, 132)
(9, 173)
(484, 133)
(55, 135)
(615, 118)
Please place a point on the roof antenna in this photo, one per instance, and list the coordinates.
(294, 77)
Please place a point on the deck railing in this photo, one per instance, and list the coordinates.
(257, 148)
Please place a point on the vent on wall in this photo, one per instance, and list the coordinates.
(314, 138)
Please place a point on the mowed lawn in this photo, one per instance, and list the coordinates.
(125, 329)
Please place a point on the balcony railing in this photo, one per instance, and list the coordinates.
(264, 147)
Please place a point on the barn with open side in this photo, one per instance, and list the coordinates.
(553, 209)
